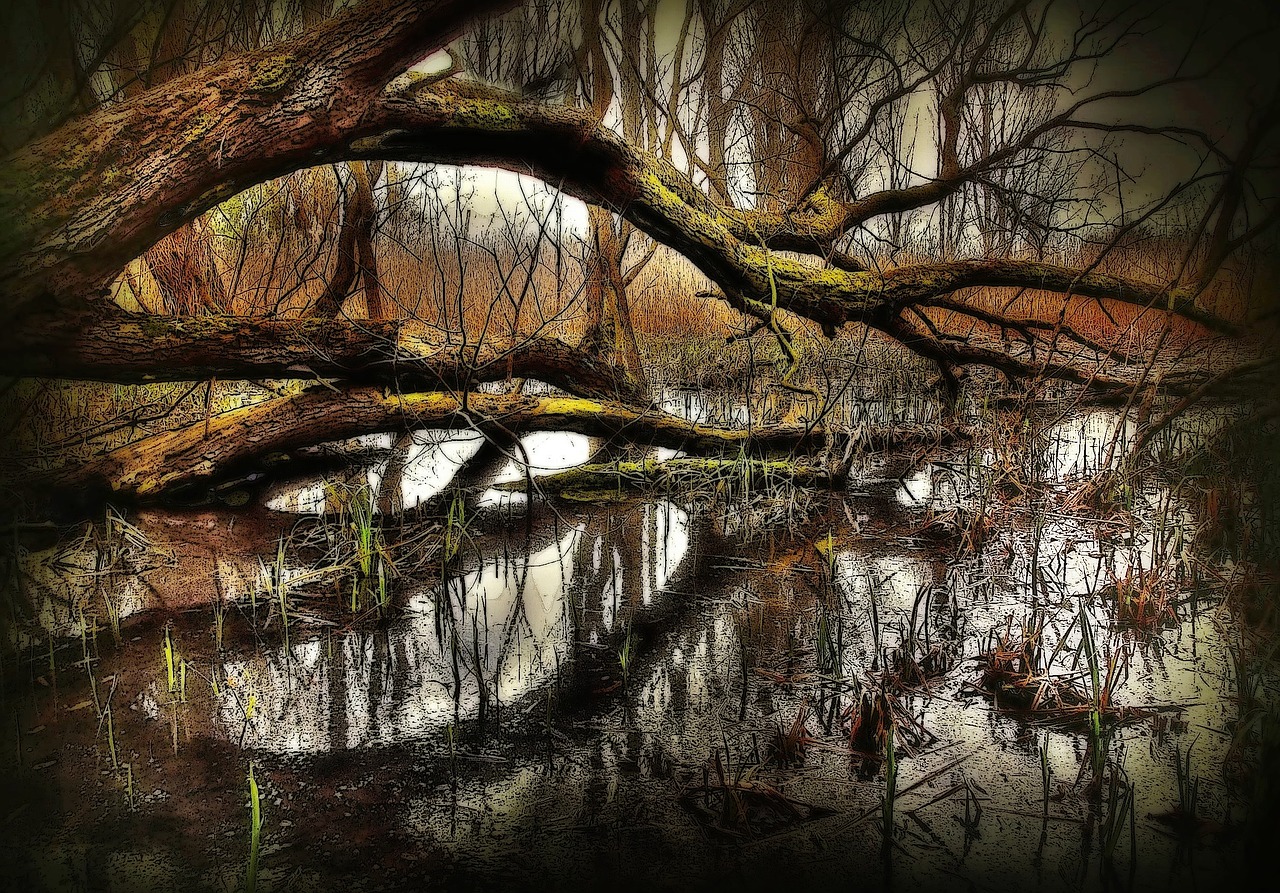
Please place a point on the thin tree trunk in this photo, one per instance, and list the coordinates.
(355, 247)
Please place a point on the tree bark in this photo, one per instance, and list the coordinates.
(115, 219)
(404, 355)
(84, 200)
(80, 203)
(232, 440)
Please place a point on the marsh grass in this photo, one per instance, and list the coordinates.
(276, 580)
(1015, 671)
(1143, 600)
(170, 659)
(916, 661)
(367, 548)
(627, 651)
(1187, 808)
(789, 743)
(890, 786)
(343, 555)
(255, 833)
(1045, 774)
(108, 721)
(1119, 813)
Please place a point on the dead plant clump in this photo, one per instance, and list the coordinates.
(1224, 527)
(970, 529)
(1014, 674)
(870, 717)
(790, 743)
(1255, 597)
(1107, 494)
(913, 665)
(1142, 600)
(741, 804)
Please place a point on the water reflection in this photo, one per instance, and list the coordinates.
(540, 453)
(415, 468)
(460, 650)
(733, 647)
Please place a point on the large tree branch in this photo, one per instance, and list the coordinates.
(199, 452)
(94, 194)
(456, 124)
(99, 202)
(949, 352)
(127, 347)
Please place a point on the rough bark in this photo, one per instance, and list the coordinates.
(145, 469)
(405, 355)
(78, 204)
(72, 251)
(82, 201)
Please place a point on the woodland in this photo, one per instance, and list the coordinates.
(812, 300)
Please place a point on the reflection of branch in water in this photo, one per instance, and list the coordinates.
(515, 595)
(390, 496)
(619, 571)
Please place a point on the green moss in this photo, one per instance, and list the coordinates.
(199, 125)
(273, 72)
(153, 326)
(487, 113)
(596, 497)
(571, 406)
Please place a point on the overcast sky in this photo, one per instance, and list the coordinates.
(1231, 42)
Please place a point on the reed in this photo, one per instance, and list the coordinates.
(1119, 813)
(1044, 775)
(255, 833)
(890, 786)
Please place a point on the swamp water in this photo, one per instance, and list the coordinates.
(665, 691)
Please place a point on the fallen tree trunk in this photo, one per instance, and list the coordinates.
(230, 442)
(403, 354)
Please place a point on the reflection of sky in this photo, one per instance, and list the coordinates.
(509, 613)
(1079, 446)
(433, 460)
(310, 498)
(545, 452)
(509, 618)
(435, 457)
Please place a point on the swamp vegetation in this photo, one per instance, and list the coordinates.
(837, 447)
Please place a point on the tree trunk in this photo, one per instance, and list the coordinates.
(185, 269)
(231, 441)
(404, 355)
(355, 247)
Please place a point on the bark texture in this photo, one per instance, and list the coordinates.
(402, 354)
(232, 440)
